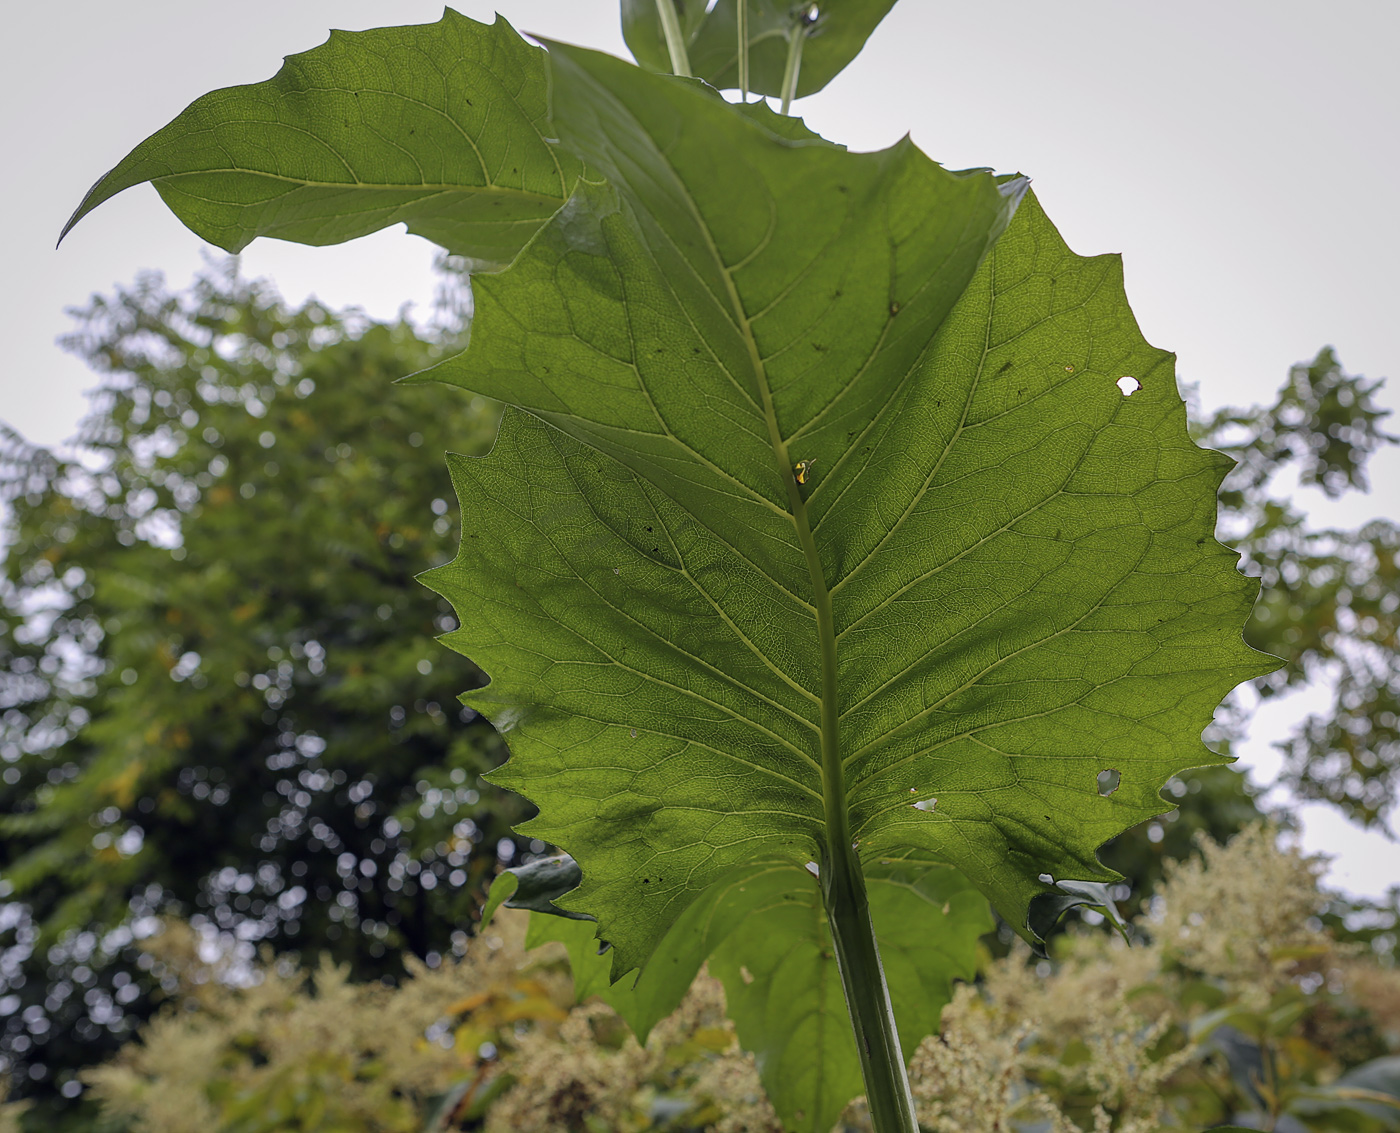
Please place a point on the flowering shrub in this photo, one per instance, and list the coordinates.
(1263, 1019)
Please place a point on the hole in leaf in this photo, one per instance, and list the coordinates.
(1108, 781)
(1045, 877)
(813, 869)
(926, 804)
(1128, 385)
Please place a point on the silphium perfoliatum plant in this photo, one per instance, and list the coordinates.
(843, 559)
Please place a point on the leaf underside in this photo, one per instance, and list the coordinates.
(443, 127)
(764, 932)
(1025, 583)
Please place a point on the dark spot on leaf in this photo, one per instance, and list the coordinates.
(894, 309)
(1004, 367)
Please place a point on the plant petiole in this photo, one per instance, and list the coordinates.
(802, 21)
(744, 50)
(675, 39)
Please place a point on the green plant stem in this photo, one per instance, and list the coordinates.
(744, 50)
(793, 67)
(675, 40)
(843, 882)
(867, 994)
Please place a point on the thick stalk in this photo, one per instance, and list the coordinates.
(744, 50)
(796, 38)
(675, 40)
(867, 994)
(843, 894)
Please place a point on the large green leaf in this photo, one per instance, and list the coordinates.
(765, 934)
(1024, 586)
(441, 126)
(712, 39)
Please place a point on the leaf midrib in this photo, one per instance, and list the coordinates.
(371, 186)
(833, 783)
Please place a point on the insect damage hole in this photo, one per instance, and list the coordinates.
(1128, 385)
(925, 804)
(1108, 781)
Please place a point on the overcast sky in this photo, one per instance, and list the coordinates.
(1241, 154)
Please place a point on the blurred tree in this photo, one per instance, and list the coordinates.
(219, 692)
(1330, 603)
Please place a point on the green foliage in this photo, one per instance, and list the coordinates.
(766, 936)
(1257, 1016)
(828, 36)
(821, 527)
(220, 694)
(1086, 546)
(438, 127)
(443, 1050)
(1234, 1005)
(1331, 598)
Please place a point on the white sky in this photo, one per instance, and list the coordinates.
(1242, 154)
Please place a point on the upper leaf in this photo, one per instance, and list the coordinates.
(443, 126)
(836, 37)
(1024, 585)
